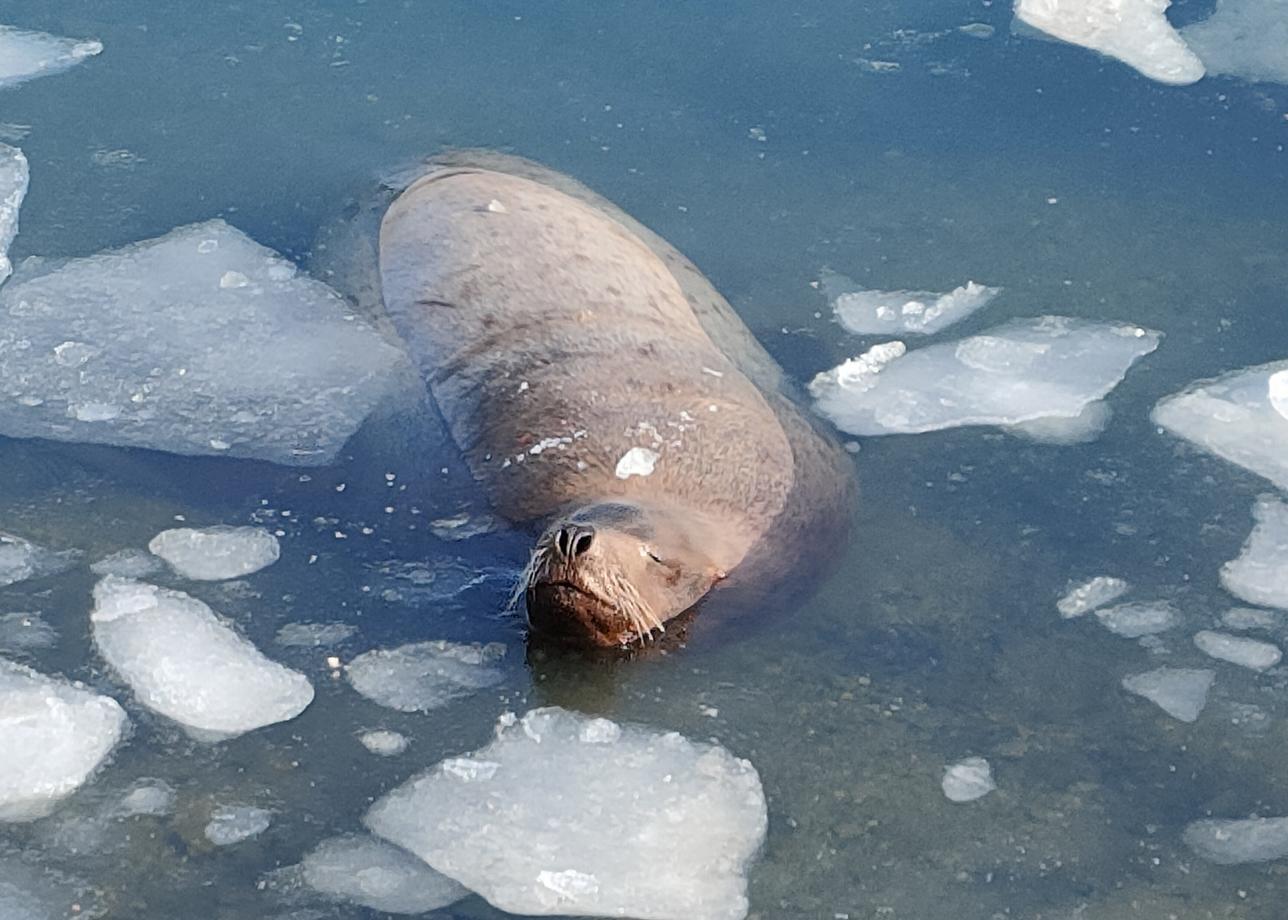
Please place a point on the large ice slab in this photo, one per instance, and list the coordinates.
(422, 676)
(24, 55)
(1240, 650)
(869, 312)
(1242, 841)
(1233, 417)
(378, 875)
(1135, 32)
(216, 553)
(1017, 372)
(55, 734)
(1260, 573)
(183, 662)
(1243, 38)
(13, 188)
(199, 342)
(1180, 692)
(565, 814)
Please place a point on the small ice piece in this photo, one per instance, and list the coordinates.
(1135, 32)
(1018, 372)
(384, 742)
(1082, 428)
(13, 188)
(1230, 843)
(1251, 618)
(314, 635)
(231, 824)
(278, 369)
(904, 312)
(1243, 38)
(1140, 619)
(1234, 418)
(1277, 392)
(1240, 650)
(183, 662)
(422, 676)
(650, 825)
(858, 374)
(1180, 692)
(1260, 573)
(638, 461)
(128, 563)
(1087, 596)
(968, 780)
(148, 797)
(24, 55)
(216, 553)
(24, 632)
(55, 734)
(378, 875)
(21, 559)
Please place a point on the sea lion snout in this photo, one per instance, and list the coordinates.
(573, 540)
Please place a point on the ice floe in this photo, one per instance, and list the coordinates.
(199, 342)
(1088, 595)
(314, 635)
(567, 814)
(1240, 650)
(384, 742)
(21, 559)
(55, 734)
(422, 676)
(147, 797)
(216, 553)
(378, 875)
(1233, 417)
(1180, 692)
(1139, 619)
(1251, 618)
(1260, 573)
(231, 824)
(183, 662)
(24, 54)
(968, 780)
(1135, 32)
(1017, 372)
(868, 312)
(1243, 38)
(128, 563)
(13, 188)
(1240, 841)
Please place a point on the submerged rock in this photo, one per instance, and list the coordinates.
(1087, 596)
(1243, 38)
(24, 55)
(13, 189)
(1243, 841)
(968, 780)
(378, 875)
(1260, 573)
(566, 814)
(868, 312)
(422, 676)
(1180, 692)
(216, 553)
(1240, 650)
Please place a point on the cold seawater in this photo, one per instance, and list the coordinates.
(958, 722)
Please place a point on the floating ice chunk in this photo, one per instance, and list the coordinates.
(55, 735)
(384, 742)
(148, 797)
(1232, 842)
(968, 780)
(128, 563)
(464, 526)
(1243, 38)
(638, 461)
(216, 553)
(1277, 392)
(22, 632)
(21, 559)
(1260, 573)
(377, 875)
(1249, 653)
(24, 55)
(425, 675)
(1135, 32)
(231, 824)
(904, 312)
(183, 662)
(314, 635)
(1233, 417)
(13, 188)
(1180, 692)
(1090, 594)
(276, 370)
(1140, 619)
(650, 825)
(1018, 372)
(1251, 618)
(1082, 428)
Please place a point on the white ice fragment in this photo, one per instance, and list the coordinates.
(147, 797)
(1018, 372)
(13, 188)
(1251, 618)
(638, 461)
(183, 662)
(422, 676)
(1245, 39)
(24, 55)
(469, 769)
(858, 374)
(1139, 619)
(275, 370)
(21, 559)
(1259, 575)
(216, 553)
(314, 635)
(1233, 417)
(1277, 392)
(968, 780)
(1087, 596)
(231, 824)
(1240, 650)
(55, 734)
(128, 563)
(569, 828)
(378, 875)
(1180, 692)
(73, 354)
(903, 312)
(1230, 843)
(1082, 428)
(383, 742)
(1135, 32)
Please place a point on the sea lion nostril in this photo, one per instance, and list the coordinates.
(573, 541)
(563, 542)
(584, 539)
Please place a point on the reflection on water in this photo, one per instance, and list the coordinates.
(771, 143)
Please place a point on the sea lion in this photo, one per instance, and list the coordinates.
(597, 384)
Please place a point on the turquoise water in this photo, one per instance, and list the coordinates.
(749, 136)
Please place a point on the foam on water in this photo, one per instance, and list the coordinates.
(968, 780)
(1180, 692)
(1135, 32)
(199, 342)
(1018, 372)
(1243, 841)
(1240, 650)
(1260, 573)
(24, 54)
(21, 559)
(55, 734)
(1243, 38)
(230, 824)
(378, 875)
(867, 312)
(566, 814)
(216, 553)
(422, 676)
(183, 662)
(1088, 595)
(13, 188)
(1139, 619)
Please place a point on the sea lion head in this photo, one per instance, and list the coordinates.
(613, 573)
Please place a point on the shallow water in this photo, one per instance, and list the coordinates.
(753, 139)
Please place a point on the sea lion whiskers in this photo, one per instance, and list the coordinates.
(532, 572)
